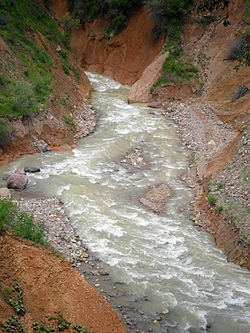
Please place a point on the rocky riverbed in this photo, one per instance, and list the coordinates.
(62, 238)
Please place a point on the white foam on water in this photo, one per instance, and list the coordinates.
(164, 257)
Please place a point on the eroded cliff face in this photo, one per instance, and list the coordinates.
(125, 56)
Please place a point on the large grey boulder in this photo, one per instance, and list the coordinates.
(17, 181)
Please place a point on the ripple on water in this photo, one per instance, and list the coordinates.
(164, 257)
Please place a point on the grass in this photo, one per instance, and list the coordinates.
(27, 82)
(211, 199)
(178, 69)
(68, 120)
(19, 223)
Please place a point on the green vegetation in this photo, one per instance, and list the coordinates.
(68, 120)
(4, 132)
(20, 223)
(25, 91)
(57, 323)
(178, 69)
(168, 16)
(116, 12)
(211, 199)
(220, 185)
(219, 208)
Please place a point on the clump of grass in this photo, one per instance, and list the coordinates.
(19, 223)
(220, 186)
(211, 199)
(219, 208)
(178, 69)
(68, 120)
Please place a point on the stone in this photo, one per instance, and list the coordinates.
(32, 169)
(20, 172)
(58, 49)
(240, 92)
(6, 176)
(5, 192)
(17, 181)
(42, 146)
(155, 105)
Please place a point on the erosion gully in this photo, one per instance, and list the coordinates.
(167, 264)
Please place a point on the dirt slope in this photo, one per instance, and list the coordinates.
(50, 284)
(125, 56)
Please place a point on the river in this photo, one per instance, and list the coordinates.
(163, 256)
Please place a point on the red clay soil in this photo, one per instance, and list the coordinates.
(125, 56)
(50, 284)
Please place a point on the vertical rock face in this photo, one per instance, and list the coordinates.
(125, 56)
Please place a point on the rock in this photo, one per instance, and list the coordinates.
(58, 49)
(5, 193)
(20, 172)
(42, 146)
(155, 105)
(6, 176)
(240, 92)
(17, 181)
(211, 143)
(32, 169)
(140, 90)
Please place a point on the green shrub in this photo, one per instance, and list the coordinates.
(220, 186)
(211, 199)
(168, 16)
(219, 208)
(4, 132)
(68, 120)
(65, 69)
(69, 23)
(19, 223)
(115, 11)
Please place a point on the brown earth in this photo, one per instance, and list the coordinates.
(125, 56)
(50, 284)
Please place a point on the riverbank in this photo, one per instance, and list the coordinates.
(220, 156)
(63, 239)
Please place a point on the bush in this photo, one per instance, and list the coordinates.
(69, 23)
(4, 132)
(168, 16)
(19, 223)
(115, 11)
(211, 199)
(219, 208)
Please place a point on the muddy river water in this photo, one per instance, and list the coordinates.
(164, 257)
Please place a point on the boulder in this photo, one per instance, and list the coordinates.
(6, 176)
(155, 105)
(5, 192)
(20, 171)
(42, 146)
(32, 169)
(17, 181)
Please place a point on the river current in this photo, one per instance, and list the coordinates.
(163, 256)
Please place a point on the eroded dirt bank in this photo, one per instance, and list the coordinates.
(125, 56)
(50, 284)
